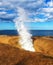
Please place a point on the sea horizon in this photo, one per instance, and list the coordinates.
(33, 32)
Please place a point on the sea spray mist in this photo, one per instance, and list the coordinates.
(25, 36)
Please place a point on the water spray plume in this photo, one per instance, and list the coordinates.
(25, 36)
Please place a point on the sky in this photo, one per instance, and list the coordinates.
(39, 14)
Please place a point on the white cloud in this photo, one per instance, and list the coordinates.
(1, 13)
(50, 4)
(48, 10)
(0, 3)
(32, 7)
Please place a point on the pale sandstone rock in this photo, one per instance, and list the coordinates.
(44, 45)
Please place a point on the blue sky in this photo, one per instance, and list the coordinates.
(29, 25)
(39, 14)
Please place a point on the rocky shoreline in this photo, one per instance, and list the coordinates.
(11, 52)
(13, 56)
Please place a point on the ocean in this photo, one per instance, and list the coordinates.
(33, 32)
